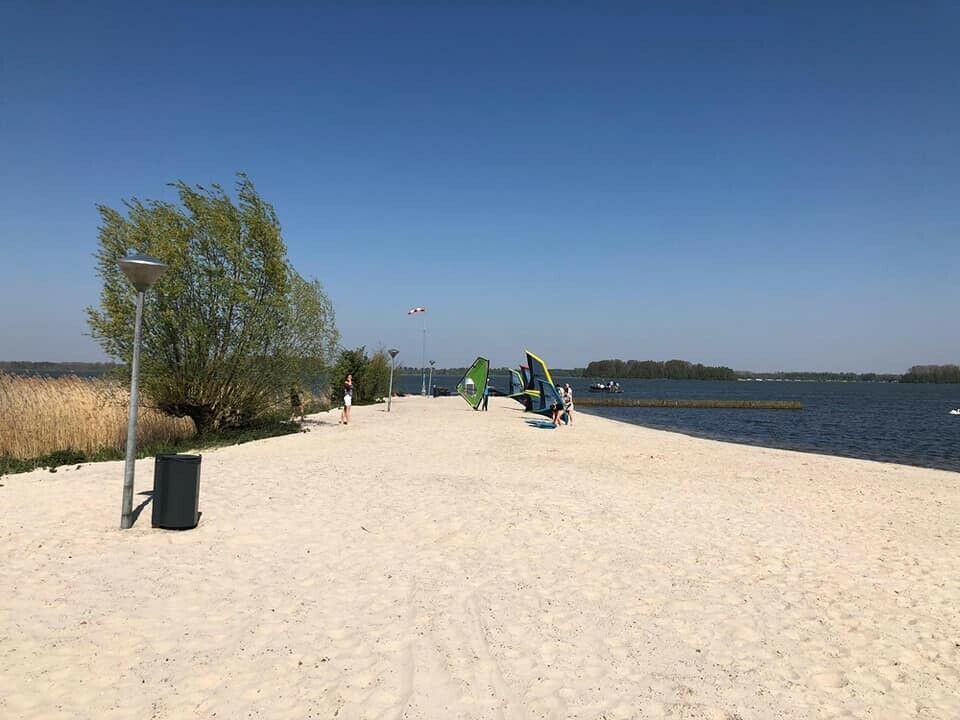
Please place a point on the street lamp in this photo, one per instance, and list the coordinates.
(393, 354)
(142, 271)
(430, 391)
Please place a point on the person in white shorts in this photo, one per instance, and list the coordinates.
(568, 403)
(347, 400)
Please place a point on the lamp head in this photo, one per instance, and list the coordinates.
(393, 352)
(142, 270)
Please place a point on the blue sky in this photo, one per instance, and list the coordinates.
(734, 183)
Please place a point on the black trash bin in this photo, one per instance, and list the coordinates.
(176, 491)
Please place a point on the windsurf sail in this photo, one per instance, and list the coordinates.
(516, 383)
(546, 397)
(474, 381)
(538, 371)
(525, 376)
(517, 391)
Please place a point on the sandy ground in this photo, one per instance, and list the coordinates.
(441, 563)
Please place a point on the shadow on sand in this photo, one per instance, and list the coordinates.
(312, 422)
(139, 508)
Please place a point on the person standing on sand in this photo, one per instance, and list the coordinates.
(557, 409)
(347, 400)
(486, 395)
(568, 403)
(296, 402)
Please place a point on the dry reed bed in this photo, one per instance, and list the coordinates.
(40, 416)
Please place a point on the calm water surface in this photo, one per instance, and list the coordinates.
(907, 424)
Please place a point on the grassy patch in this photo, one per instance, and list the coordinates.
(272, 428)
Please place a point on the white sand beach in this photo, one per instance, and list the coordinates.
(436, 562)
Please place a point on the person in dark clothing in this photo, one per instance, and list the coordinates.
(486, 395)
(555, 411)
(296, 402)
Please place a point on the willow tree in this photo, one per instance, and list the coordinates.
(371, 374)
(230, 326)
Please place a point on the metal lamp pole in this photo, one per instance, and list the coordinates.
(393, 354)
(142, 271)
(430, 386)
(423, 359)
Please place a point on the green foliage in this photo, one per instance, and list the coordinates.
(932, 374)
(653, 369)
(371, 375)
(377, 375)
(230, 325)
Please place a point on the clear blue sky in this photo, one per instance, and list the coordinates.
(735, 183)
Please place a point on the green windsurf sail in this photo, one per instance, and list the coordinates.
(474, 381)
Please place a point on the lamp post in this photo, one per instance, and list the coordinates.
(430, 390)
(393, 354)
(142, 271)
(423, 357)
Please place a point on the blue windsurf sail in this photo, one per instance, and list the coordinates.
(517, 391)
(525, 376)
(516, 383)
(546, 398)
(538, 371)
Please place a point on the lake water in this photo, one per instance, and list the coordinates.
(892, 422)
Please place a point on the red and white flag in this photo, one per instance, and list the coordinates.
(414, 311)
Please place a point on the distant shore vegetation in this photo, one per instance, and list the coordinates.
(932, 374)
(819, 376)
(657, 370)
(685, 370)
(916, 374)
(59, 369)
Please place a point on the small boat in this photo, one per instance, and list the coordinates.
(606, 387)
(955, 412)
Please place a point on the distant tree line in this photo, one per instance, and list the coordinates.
(932, 374)
(820, 376)
(560, 372)
(657, 370)
(55, 369)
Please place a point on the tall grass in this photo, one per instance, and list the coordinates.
(42, 416)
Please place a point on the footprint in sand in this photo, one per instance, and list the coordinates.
(684, 711)
(832, 680)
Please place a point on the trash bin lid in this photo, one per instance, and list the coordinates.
(174, 457)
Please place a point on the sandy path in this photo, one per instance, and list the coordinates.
(440, 563)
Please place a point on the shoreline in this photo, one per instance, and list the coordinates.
(437, 562)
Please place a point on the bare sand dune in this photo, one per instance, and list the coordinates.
(441, 563)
